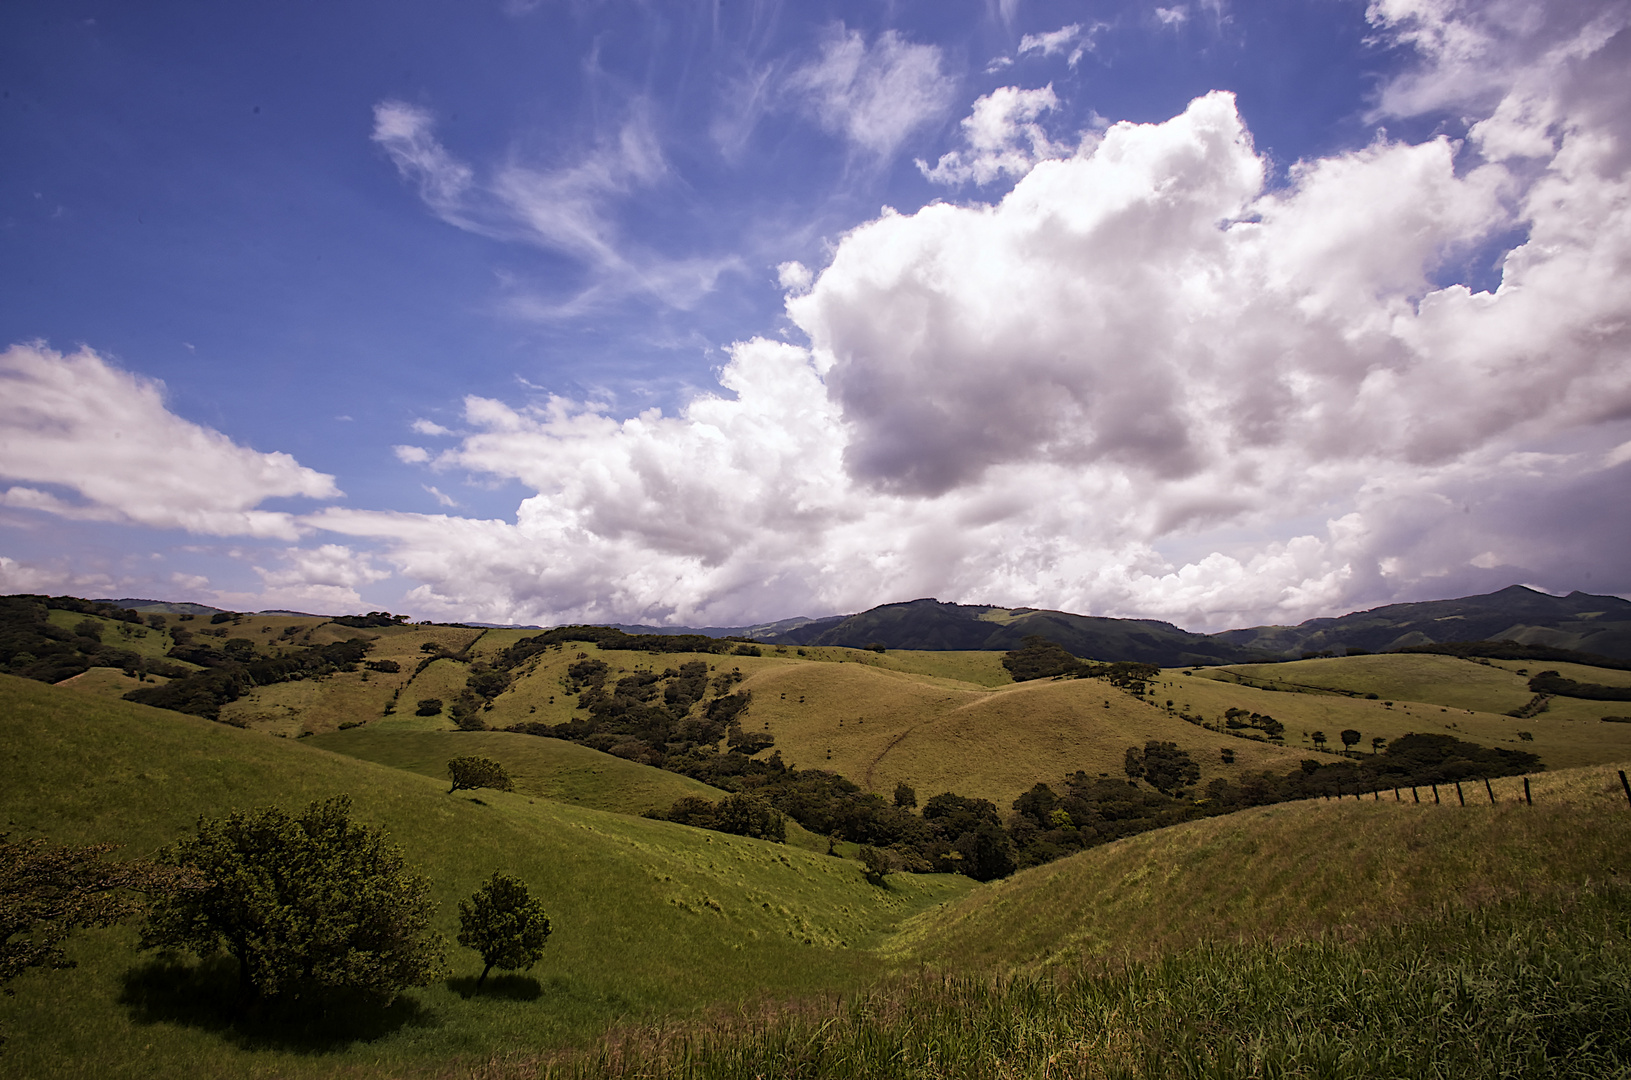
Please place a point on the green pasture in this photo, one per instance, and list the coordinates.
(652, 919)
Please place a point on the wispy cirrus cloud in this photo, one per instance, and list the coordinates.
(1072, 41)
(569, 208)
(873, 94)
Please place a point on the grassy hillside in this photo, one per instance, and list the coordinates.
(1297, 869)
(1415, 693)
(1531, 988)
(651, 918)
(144, 641)
(880, 728)
(108, 682)
(540, 768)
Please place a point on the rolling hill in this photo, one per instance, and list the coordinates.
(658, 922)
(1302, 869)
(652, 918)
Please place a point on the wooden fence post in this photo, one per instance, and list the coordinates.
(1435, 794)
(1414, 794)
(1526, 796)
(1396, 796)
(1458, 794)
(1626, 784)
(1490, 790)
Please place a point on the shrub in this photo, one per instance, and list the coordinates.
(314, 901)
(469, 773)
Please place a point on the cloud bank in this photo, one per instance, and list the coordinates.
(79, 425)
(1142, 382)
(1150, 379)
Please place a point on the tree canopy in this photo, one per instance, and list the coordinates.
(48, 891)
(309, 901)
(505, 923)
(478, 772)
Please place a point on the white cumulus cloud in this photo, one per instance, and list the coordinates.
(1142, 382)
(103, 438)
(1003, 138)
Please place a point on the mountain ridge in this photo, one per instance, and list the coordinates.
(1579, 621)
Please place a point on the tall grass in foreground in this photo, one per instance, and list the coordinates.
(1524, 989)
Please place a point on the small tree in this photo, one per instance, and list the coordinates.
(505, 923)
(314, 901)
(875, 864)
(430, 706)
(905, 796)
(1376, 743)
(1319, 739)
(1350, 738)
(470, 773)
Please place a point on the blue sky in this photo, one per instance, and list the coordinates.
(717, 313)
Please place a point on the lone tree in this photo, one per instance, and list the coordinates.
(315, 901)
(875, 864)
(1319, 739)
(1377, 743)
(1350, 738)
(478, 772)
(505, 923)
(905, 796)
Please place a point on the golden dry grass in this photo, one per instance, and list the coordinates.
(880, 727)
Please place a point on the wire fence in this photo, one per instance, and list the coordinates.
(1438, 794)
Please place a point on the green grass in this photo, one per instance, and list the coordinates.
(540, 768)
(652, 919)
(880, 727)
(1295, 869)
(108, 682)
(1524, 989)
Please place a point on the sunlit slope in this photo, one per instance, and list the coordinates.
(108, 682)
(880, 728)
(540, 768)
(323, 704)
(1296, 868)
(145, 641)
(650, 917)
(1415, 693)
(1484, 685)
